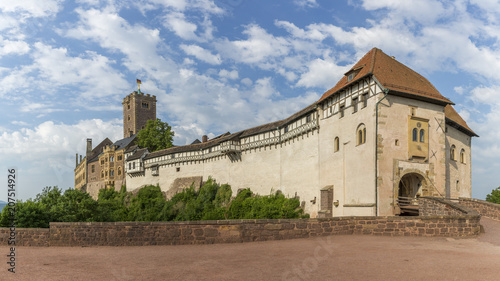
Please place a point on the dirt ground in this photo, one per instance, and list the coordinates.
(328, 258)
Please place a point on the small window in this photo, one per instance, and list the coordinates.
(178, 169)
(336, 144)
(365, 100)
(422, 135)
(145, 105)
(128, 106)
(415, 135)
(120, 157)
(341, 110)
(119, 171)
(452, 153)
(133, 165)
(355, 104)
(361, 134)
(286, 129)
(93, 168)
(102, 174)
(462, 156)
(130, 166)
(102, 162)
(396, 142)
(350, 77)
(112, 173)
(128, 118)
(308, 118)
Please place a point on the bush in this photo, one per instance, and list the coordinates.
(211, 202)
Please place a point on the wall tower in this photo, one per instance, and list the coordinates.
(138, 108)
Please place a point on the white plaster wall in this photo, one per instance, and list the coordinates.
(290, 167)
(457, 171)
(351, 169)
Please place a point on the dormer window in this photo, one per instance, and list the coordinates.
(353, 72)
(350, 77)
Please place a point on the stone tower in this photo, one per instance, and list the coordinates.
(138, 108)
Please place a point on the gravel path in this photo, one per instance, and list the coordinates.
(328, 258)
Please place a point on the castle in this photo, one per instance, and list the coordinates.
(383, 132)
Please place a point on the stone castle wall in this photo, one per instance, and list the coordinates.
(484, 208)
(463, 223)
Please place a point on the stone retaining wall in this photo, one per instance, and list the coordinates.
(26, 236)
(439, 220)
(484, 208)
(433, 206)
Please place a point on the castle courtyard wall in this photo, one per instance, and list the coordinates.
(394, 149)
(439, 218)
(458, 172)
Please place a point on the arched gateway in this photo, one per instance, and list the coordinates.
(411, 186)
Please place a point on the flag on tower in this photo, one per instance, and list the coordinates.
(139, 81)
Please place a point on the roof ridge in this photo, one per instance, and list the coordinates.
(372, 64)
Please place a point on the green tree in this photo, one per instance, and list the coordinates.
(111, 206)
(494, 197)
(147, 205)
(31, 214)
(157, 135)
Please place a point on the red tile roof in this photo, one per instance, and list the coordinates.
(393, 75)
(452, 115)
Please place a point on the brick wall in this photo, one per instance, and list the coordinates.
(432, 206)
(440, 218)
(484, 208)
(26, 236)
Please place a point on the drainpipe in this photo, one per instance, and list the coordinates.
(386, 92)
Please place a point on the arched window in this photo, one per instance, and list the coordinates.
(336, 144)
(462, 156)
(119, 170)
(361, 134)
(415, 134)
(452, 152)
(422, 135)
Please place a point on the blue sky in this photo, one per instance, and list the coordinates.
(223, 65)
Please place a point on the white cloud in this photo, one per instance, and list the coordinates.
(91, 71)
(45, 155)
(32, 8)
(321, 73)
(258, 48)
(247, 81)
(201, 54)
(20, 123)
(180, 26)
(204, 6)
(8, 47)
(233, 74)
(306, 3)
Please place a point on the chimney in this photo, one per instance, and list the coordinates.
(80, 158)
(204, 138)
(89, 147)
(76, 160)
